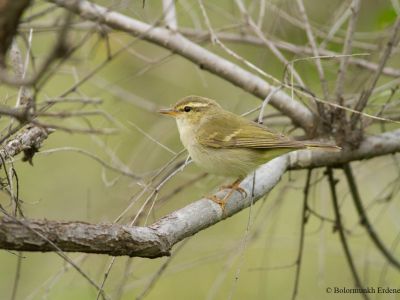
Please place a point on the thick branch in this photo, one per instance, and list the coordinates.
(207, 60)
(153, 241)
(157, 239)
(110, 239)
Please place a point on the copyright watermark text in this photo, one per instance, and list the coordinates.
(365, 290)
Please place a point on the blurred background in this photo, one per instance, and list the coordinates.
(251, 255)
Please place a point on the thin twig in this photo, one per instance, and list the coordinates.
(16, 278)
(266, 41)
(364, 221)
(121, 171)
(245, 38)
(105, 278)
(339, 227)
(355, 7)
(314, 47)
(304, 218)
(365, 95)
(151, 138)
(57, 250)
(342, 17)
(160, 271)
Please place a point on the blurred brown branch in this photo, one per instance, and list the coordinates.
(10, 14)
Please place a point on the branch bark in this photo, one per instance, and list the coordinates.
(28, 139)
(205, 59)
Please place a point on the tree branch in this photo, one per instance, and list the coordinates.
(342, 235)
(152, 241)
(373, 146)
(364, 97)
(30, 138)
(364, 221)
(157, 240)
(201, 35)
(207, 60)
(10, 13)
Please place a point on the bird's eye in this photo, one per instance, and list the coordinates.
(187, 108)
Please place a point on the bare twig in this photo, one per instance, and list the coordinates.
(342, 236)
(170, 14)
(285, 45)
(160, 271)
(38, 233)
(364, 221)
(16, 278)
(267, 42)
(342, 17)
(194, 53)
(363, 100)
(318, 32)
(355, 7)
(122, 171)
(316, 54)
(304, 219)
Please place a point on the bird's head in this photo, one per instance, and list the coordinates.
(192, 110)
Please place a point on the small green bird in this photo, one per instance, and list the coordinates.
(223, 143)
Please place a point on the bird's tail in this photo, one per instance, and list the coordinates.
(322, 146)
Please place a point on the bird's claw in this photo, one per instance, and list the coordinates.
(219, 201)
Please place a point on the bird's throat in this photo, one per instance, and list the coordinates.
(186, 133)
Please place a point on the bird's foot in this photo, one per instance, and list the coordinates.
(232, 188)
(219, 201)
(235, 187)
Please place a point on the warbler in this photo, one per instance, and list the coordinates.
(223, 143)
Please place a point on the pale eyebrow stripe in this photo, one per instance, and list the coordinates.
(194, 104)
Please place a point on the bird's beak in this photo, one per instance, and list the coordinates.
(169, 111)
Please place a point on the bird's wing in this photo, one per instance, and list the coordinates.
(225, 132)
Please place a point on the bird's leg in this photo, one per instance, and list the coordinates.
(232, 188)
